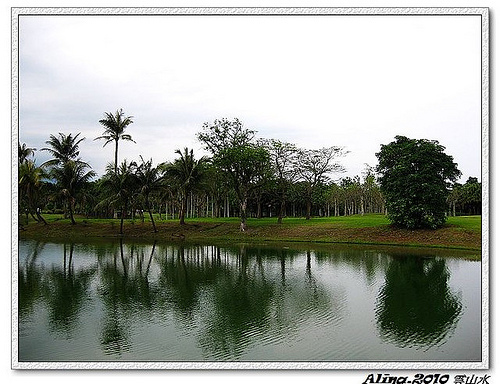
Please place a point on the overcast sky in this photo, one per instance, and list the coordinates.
(316, 81)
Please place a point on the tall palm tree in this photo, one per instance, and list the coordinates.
(115, 125)
(62, 148)
(187, 173)
(71, 177)
(120, 187)
(149, 180)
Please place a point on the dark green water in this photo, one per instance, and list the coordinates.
(165, 302)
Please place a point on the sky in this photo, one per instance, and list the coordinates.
(315, 81)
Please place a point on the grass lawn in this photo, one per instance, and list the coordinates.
(459, 232)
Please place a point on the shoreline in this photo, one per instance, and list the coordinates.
(358, 231)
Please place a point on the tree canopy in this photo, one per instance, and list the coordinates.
(415, 175)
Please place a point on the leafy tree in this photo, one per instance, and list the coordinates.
(62, 148)
(71, 177)
(415, 175)
(115, 125)
(314, 167)
(234, 151)
(187, 173)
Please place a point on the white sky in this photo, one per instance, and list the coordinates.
(350, 81)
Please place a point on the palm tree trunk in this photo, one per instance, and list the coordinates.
(182, 212)
(41, 218)
(124, 210)
(151, 215)
(71, 206)
(116, 155)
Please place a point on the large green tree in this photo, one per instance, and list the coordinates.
(115, 125)
(236, 154)
(415, 175)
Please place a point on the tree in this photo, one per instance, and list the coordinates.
(115, 125)
(120, 187)
(62, 148)
(414, 178)
(24, 152)
(467, 197)
(314, 166)
(234, 151)
(149, 180)
(285, 168)
(187, 173)
(71, 177)
(471, 196)
(30, 184)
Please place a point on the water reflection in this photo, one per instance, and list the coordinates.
(227, 301)
(416, 307)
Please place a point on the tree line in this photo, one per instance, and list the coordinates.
(244, 176)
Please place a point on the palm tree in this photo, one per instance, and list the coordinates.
(71, 177)
(24, 152)
(120, 187)
(115, 130)
(30, 184)
(149, 180)
(62, 148)
(187, 173)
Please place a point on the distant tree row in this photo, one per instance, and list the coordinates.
(244, 176)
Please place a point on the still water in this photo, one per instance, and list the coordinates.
(169, 302)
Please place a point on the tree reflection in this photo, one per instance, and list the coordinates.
(125, 291)
(230, 302)
(256, 303)
(416, 307)
(30, 280)
(241, 299)
(66, 291)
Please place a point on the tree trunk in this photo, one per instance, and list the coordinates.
(71, 215)
(116, 155)
(243, 214)
(282, 211)
(150, 215)
(308, 212)
(182, 213)
(152, 220)
(259, 209)
(124, 210)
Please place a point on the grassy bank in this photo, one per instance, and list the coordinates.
(459, 232)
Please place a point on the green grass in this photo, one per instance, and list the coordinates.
(460, 232)
(472, 223)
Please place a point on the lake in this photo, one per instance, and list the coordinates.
(119, 301)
